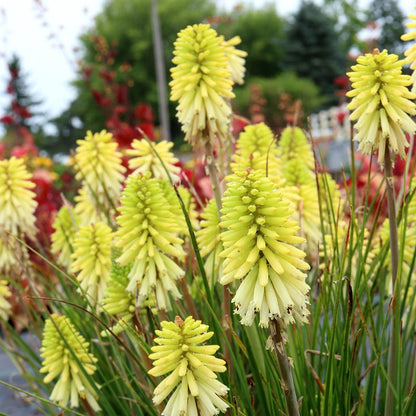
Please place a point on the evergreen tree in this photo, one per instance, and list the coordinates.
(313, 50)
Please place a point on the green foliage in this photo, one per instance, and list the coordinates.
(125, 26)
(348, 18)
(262, 33)
(313, 49)
(273, 88)
(390, 18)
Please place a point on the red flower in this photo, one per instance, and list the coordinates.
(7, 120)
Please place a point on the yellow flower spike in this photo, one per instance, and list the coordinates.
(13, 255)
(209, 242)
(192, 368)
(148, 236)
(410, 53)
(144, 159)
(87, 210)
(17, 203)
(257, 150)
(382, 104)
(235, 59)
(66, 225)
(293, 144)
(61, 343)
(282, 293)
(4, 304)
(91, 260)
(202, 83)
(98, 166)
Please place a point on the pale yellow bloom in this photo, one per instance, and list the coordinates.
(4, 304)
(382, 104)
(410, 53)
(61, 343)
(202, 83)
(235, 57)
(144, 159)
(256, 149)
(91, 260)
(87, 210)
(258, 240)
(192, 369)
(17, 203)
(148, 233)
(66, 225)
(209, 242)
(98, 166)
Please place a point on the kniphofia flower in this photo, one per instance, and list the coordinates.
(256, 150)
(65, 225)
(17, 203)
(191, 367)
(209, 242)
(202, 83)
(259, 239)
(99, 168)
(148, 234)
(4, 303)
(411, 52)
(63, 350)
(91, 259)
(382, 104)
(145, 159)
(235, 58)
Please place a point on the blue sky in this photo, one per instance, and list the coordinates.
(44, 34)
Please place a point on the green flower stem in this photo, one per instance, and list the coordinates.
(213, 175)
(284, 366)
(216, 189)
(394, 304)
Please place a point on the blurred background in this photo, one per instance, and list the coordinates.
(69, 67)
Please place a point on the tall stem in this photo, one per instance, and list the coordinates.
(395, 307)
(284, 366)
(216, 188)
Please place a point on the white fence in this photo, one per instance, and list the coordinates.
(331, 125)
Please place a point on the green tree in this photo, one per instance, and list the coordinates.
(390, 18)
(313, 50)
(120, 44)
(262, 34)
(348, 18)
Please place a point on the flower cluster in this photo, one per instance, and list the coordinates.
(17, 203)
(411, 52)
(148, 235)
(259, 239)
(66, 225)
(256, 150)
(99, 168)
(192, 369)
(382, 104)
(202, 83)
(144, 158)
(91, 260)
(209, 242)
(63, 350)
(4, 304)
